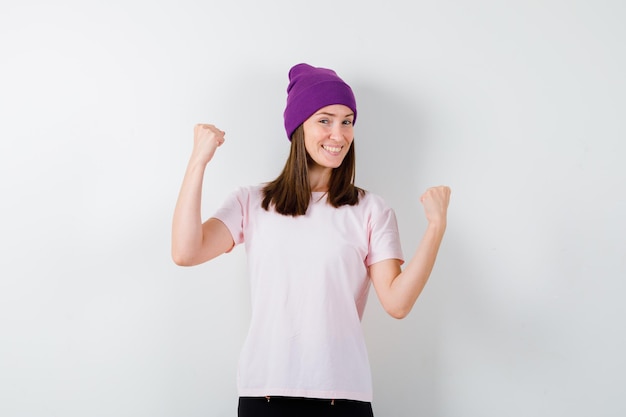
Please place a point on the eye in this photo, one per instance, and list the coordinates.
(347, 122)
(324, 121)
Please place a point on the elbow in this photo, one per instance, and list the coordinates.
(182, 259)
(398, 312)
(396, 308)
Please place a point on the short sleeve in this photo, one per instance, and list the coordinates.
(233, 212)
(384, 237)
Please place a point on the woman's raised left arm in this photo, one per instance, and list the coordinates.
(398, 289)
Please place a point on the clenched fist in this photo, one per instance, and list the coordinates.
(435, 201)
(206, 139)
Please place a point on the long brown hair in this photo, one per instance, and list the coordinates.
(290, 192)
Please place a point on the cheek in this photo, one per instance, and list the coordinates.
(309, 145)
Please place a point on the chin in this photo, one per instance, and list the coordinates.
(333, 166)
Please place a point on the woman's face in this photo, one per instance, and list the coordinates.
(328, 135)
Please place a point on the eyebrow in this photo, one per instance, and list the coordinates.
(333, 114)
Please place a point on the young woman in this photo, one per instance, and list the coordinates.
(314, 243)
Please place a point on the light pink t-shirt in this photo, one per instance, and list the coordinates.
(309, 286)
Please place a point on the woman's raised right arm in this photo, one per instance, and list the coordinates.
(194, 242)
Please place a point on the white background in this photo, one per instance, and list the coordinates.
(518, 106)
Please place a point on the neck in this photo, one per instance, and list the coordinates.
(319, 178)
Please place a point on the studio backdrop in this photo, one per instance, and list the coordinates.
(519, 107)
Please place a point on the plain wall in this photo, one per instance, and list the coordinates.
(518, 106)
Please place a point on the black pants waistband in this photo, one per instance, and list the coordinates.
(303, 407)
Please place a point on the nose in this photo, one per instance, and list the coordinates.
(335, 132)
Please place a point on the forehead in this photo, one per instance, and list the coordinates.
(338, 110)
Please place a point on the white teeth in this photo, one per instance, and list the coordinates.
(331, 148)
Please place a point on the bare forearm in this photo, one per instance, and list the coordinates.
(408, 285)
(187, 222)
(398, 289)
(187, 228)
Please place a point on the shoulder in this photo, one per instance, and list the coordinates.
(376, 209)
(245, 197)
(373, 201)
(248, 191)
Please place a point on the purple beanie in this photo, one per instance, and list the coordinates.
(309, 90)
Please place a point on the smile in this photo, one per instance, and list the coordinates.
(332, 149)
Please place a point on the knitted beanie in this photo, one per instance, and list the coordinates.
(310, 89)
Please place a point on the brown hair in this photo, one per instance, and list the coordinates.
(290, 192)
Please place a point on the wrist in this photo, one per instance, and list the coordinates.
(198, 159)
(196, 164)
(438, 226)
